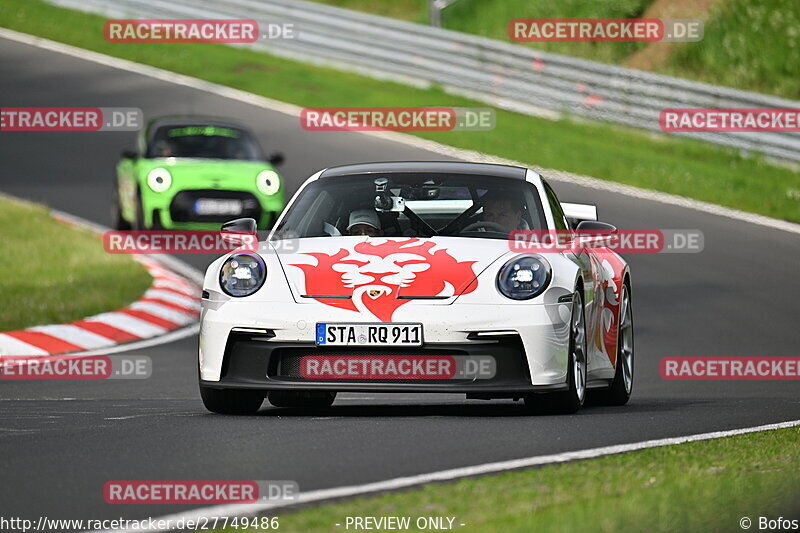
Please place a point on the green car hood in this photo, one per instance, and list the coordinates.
(206, 173)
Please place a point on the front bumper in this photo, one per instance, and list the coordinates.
(176, 211)
(255, 361)
(246, 344)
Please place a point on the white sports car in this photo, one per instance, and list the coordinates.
(402, 277)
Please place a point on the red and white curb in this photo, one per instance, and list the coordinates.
(172, 302)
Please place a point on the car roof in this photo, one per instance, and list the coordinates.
(431, 167)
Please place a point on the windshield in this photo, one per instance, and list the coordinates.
(207, 142)
(414, 205)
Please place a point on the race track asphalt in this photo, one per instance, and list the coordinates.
(60, 441)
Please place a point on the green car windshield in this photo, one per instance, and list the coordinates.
(207, 142)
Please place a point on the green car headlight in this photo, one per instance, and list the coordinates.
(159, 179)
(268, 182)
(242, 274)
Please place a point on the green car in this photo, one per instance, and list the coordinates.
(194, 173)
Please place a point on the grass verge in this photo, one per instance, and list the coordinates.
(695, 487)
(735, 52)
(57, 273)
(678, 166)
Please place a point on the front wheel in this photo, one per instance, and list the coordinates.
(139, 224)
(120, 224)
(570, 400)
(231, 401)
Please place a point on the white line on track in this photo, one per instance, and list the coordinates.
(449, 475)
(402, 138)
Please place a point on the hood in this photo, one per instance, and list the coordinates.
(378, 275)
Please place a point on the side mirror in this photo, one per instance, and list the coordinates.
(242, 232)
(593, 234)
(276, 158)
(594, 226)
(240, 225)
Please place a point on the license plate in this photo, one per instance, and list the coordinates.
(391, 334)
(212, 206)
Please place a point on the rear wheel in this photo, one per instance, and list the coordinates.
(231, 401)
(570, 400)
(303, 399)
(620, 390)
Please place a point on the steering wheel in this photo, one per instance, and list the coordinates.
(485, 225)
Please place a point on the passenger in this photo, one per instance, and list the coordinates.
(364, 222)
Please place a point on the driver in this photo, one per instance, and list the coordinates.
(164, 149)
(502, 208)
(364, 222)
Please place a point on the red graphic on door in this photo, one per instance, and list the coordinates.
(610, 294)
(376, 274)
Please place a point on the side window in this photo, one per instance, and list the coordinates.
(555, 206)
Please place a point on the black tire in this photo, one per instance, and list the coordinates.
(572, 399)
(119, 222)
(619, 392)
(139, 223)
(301, 399)
(156, 221)
(232, 401)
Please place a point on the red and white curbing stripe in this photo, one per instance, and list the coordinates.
(172, 302)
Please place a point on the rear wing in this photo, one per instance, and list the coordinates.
(577, 213)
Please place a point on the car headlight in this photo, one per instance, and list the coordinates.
(524, 277)
(242, 274)
(159, 179)
(268, 182)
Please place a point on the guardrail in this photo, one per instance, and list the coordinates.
(501, 74)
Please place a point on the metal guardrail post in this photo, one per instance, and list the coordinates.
(435, 8)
